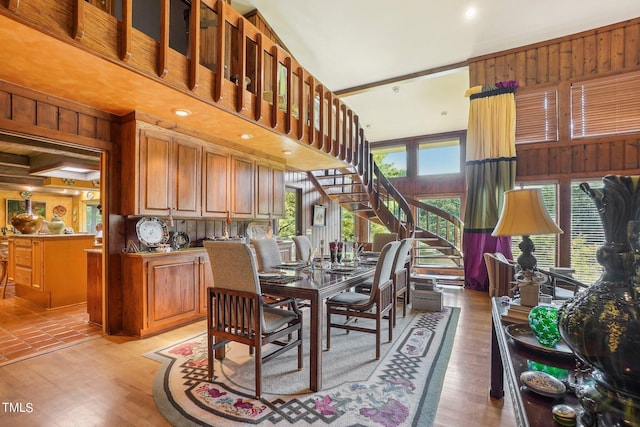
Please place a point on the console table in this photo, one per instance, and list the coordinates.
(509, 360)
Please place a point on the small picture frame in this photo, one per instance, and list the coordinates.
(319, 216)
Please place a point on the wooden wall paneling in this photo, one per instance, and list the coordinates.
(542, 62)
(617, 49)
(577, 158)
(565, 160)
(23, 110)
(578, 62)
(553, 159)
(501, 69)
(510, 67)
(631, 154)
(553, 68)
(5, 105)
(68, 121)
(565, 60)
(590, 157)
(532, 67)
(590, 55)
(604, 52)
(47, 115)
(617, 159)
(87, 125)
(521, 67)
(490, 72)
(603, 156)
(632, 45)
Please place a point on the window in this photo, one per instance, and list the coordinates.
(606, 106)
(537, 116)
(289, 225)
(348, 225)
(391, 160)
(587, 234)
(545, 244)
(439, 157)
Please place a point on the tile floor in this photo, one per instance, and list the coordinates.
(27, 330)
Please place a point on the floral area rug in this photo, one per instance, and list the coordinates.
(401, 389)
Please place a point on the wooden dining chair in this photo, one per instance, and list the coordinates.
(381, 239)
(303, 248)
(376, 305)
(236, 310)
(267, 253)
(400, 276)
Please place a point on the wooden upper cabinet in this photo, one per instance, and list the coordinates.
(278, 191)
(242, 188)
(269, 191)
(169, 175)
(215, 184)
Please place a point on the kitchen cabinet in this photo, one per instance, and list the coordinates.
(169, 175)
(46, 268)
(162, 291)
(216, 184)
(269, 191)
(94, 285)
(242, 189)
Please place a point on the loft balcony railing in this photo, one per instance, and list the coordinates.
(214, 54)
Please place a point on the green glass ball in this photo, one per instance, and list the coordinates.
(543, 320)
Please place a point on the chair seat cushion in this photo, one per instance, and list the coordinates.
(349, 298)
(275, 318)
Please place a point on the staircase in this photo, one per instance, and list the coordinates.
(437, 256)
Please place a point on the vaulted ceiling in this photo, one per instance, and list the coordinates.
(398, 47)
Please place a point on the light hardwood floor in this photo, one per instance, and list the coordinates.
(107, 381)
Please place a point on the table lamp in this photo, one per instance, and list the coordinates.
(524, 214)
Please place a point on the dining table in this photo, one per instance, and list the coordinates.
(315, 285)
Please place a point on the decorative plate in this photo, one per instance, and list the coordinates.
(522, 334)
(152, 231)
(60, 211)
(180, 240)
(543, 383)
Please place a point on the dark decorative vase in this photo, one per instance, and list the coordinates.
(602, 324)
(27, 222)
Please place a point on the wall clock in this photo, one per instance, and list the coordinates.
(152, 232)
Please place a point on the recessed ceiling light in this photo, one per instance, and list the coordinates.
(246, 136)
(395, 89)
(470, 13)
(286, 152)
(182, 112)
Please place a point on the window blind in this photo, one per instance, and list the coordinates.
(537, 116)
(587, 234)
(545, 244)
(606, 106)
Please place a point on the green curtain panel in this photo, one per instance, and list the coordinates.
(490, 171)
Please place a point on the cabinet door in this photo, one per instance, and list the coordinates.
(263, 191)
(278, 191)
(215, 197)
(155, 173)
(173, 291)
(185, 178)
(206, 281)
(242, 188)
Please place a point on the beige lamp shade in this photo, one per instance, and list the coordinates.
(524, 214)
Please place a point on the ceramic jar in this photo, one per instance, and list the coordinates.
(27, 222)
(56, 225)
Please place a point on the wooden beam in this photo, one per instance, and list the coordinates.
(78, 20)
(163, 67)
(404, 78)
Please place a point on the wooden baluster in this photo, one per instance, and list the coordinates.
(78, 20)
(274, 86)
(330, 117)
(349, 154)
(343, 139)
(289, 100)
(12, 5)
(194, 45)
(302, 105)
(242, 55)
(163, 66)
(260, 77)
(125, 48)
(311, 124)
(220, 50)
(321, 137)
